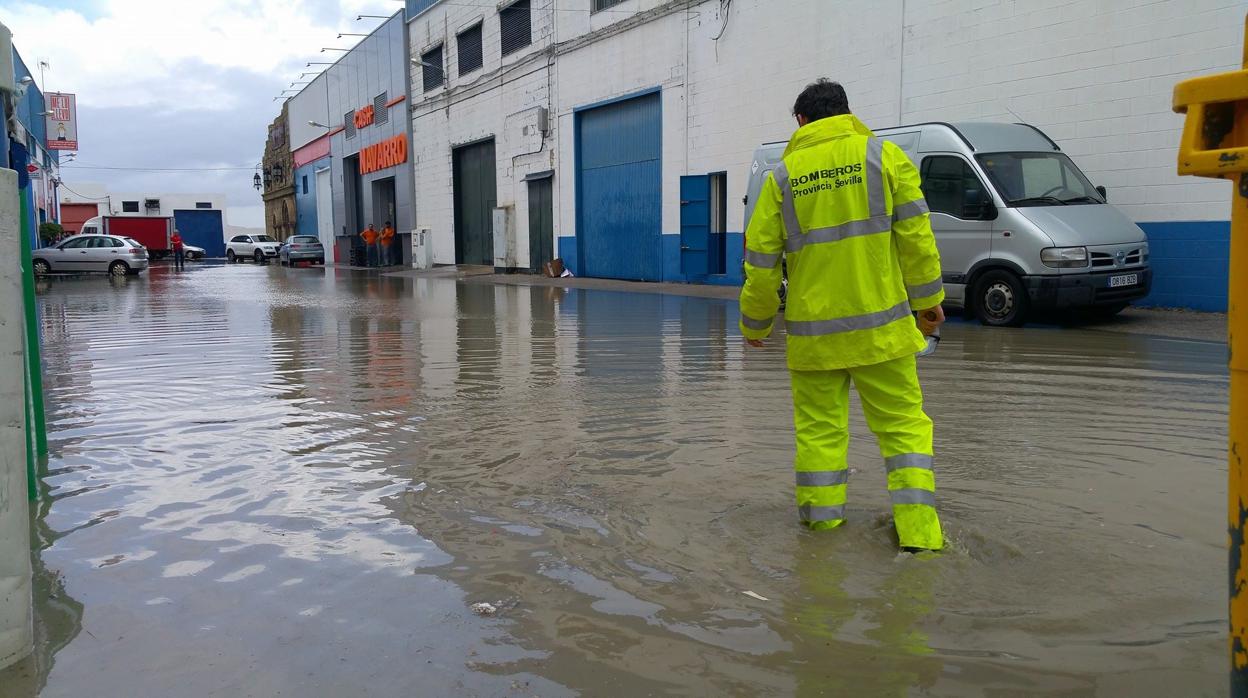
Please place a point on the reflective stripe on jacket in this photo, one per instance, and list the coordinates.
(846, 211)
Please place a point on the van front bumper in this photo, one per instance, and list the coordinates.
(1089, 289)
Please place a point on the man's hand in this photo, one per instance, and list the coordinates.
(930, 320)
(756, 343)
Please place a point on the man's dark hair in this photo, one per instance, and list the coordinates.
(821, 99)
(387, 222)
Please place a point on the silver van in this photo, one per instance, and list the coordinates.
(1019, 227)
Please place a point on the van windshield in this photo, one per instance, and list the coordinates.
(1038, 179)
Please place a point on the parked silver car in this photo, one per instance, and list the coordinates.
(113, 254)
(302, 248)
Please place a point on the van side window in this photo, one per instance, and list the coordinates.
(949, 185)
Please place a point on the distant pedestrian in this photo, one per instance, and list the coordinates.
(387, 245)
(179, 255)
(369, 236)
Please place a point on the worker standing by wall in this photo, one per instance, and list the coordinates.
(846, 209)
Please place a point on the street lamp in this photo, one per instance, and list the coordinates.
(255, 181)
(315, 124)
(342, 34)
(359, 17)
(277, 172)
(332, 48)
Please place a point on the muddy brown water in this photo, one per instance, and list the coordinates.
(297, 482)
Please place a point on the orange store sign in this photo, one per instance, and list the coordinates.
(364, 116)
(379, 156)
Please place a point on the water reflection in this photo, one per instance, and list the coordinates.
(58, 615)
(312, 474)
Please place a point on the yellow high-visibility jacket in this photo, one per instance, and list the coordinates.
(845, 209)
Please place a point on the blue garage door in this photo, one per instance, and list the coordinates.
(619, 190)
(202, 228)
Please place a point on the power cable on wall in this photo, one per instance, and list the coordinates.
(82, 196)
(158, 169)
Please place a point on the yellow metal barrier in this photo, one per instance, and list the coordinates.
(1215, 144)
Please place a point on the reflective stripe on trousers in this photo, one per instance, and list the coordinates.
(893, 404)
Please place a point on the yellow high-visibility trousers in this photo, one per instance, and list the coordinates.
(892, 402)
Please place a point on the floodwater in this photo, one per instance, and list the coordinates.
(273, 482)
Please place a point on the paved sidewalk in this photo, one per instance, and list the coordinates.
(1159, 322)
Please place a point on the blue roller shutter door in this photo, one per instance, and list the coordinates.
(619, 190)
(202, 228)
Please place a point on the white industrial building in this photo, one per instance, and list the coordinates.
(610, 107)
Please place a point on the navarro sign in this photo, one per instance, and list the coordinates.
(388, 153)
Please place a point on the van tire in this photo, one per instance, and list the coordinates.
(1000, 299)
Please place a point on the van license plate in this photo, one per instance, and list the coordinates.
(1124, 280)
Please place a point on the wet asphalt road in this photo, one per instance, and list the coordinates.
(296, 482)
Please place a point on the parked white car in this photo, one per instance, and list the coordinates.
(256, 247)
(113, 254)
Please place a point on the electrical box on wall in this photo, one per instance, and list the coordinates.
(504, 240)
(543, 121)
(422, 248)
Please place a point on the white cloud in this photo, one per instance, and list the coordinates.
(171, 64)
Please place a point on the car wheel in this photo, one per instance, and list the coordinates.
(118, 269)
(1000, 299)
(41, 267)
(321, 261)
(258, 257)
(229, 256)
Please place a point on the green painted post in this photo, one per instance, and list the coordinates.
(34, 365)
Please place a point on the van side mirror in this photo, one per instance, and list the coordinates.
(976, 207)
(1100, 189)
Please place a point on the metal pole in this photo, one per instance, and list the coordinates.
(33, 363)
(1215, 144)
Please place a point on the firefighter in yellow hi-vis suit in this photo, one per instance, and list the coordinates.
(846, 211)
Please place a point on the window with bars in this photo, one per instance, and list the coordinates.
(468, 44)
(348, 124)
(432, 70)
(381, 113)
(603, 4)
(129, 207)
(516, 26)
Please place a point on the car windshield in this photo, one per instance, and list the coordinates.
(262, 238)
(1038, 179)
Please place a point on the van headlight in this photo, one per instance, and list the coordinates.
(1064, 257)
(1144, 252)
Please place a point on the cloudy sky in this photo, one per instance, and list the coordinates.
(165, 84)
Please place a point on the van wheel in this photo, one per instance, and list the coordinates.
(1000, 299)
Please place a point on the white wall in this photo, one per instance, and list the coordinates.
(1096, 75)
(91, 193)
(500, 101)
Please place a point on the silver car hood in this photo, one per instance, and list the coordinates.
(1083, 224)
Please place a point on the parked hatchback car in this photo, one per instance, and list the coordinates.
(193, 253)
(302, 248)
(257, 247)
(112, 254)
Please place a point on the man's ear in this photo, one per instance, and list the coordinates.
(802, 120)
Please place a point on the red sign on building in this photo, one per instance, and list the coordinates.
(379, 156)
(364, 116)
